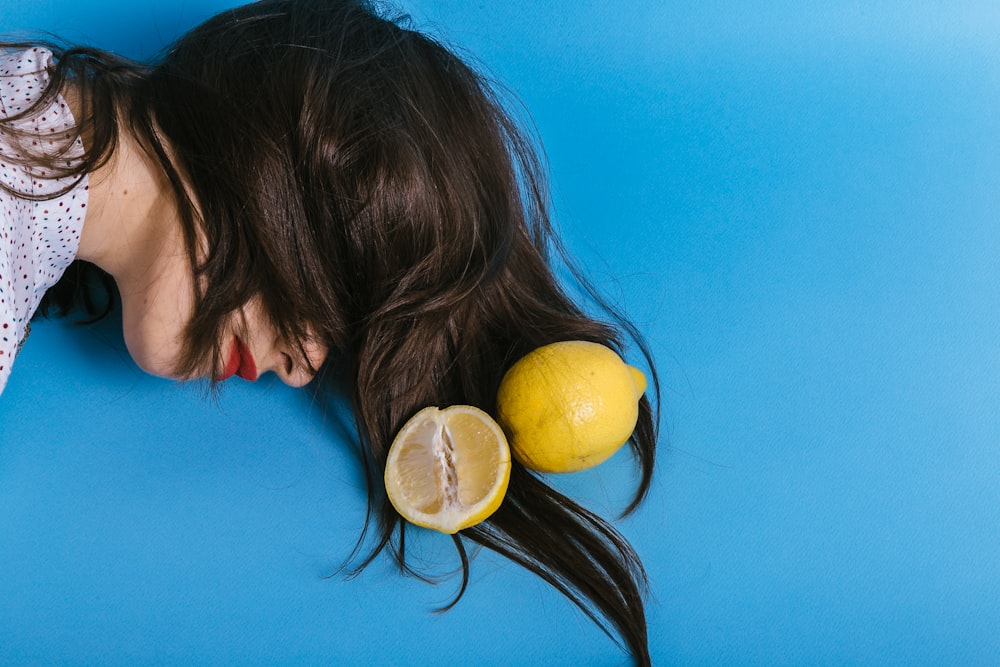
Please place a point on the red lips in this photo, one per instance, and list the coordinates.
(240, 362)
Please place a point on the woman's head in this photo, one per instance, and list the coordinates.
(340, 170)
(360, 190)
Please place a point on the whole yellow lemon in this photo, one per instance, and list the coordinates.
(569, 406)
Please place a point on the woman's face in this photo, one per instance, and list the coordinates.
(157, 310)
(134, 232)
(157, 293)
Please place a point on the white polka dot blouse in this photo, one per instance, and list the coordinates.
(38, 237)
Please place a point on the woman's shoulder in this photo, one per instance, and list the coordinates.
(36, 126)
(24, 74)
(38, 236)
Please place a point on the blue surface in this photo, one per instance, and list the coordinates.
(799, 206)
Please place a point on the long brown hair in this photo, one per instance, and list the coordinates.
(370, 189)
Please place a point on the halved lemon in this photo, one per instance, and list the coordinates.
(448, 468)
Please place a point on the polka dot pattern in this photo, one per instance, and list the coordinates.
(38, 239)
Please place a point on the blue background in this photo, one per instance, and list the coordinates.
(797, 203)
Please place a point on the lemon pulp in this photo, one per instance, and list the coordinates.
(448, 468)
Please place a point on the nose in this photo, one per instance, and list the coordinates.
(297, 364)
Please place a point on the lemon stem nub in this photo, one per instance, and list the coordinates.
(640, 380)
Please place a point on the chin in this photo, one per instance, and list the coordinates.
(155, 360)
(157, 368)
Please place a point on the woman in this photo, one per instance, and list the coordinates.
(300, 184)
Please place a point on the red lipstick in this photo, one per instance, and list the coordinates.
(232, 362)
(240, 362)
(247, 366)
